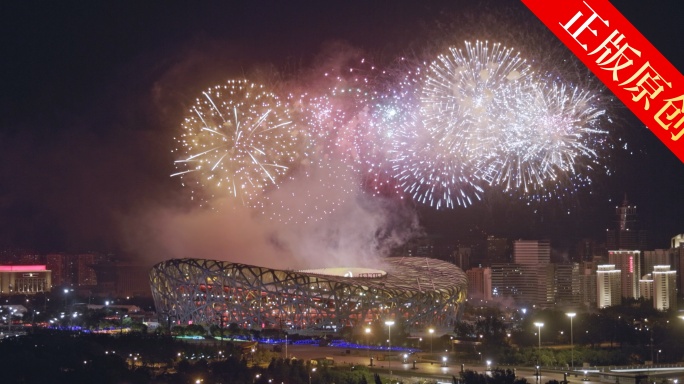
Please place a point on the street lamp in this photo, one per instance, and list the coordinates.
(312, 371)
(389, 324)
(571, 315)
(368, 331)
(539, 325)
(432, 332)
(66, 291)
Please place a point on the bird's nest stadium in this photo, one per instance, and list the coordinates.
(415, 289)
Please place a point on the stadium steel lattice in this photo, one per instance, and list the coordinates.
(418, 290)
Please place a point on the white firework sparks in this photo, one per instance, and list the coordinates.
(553, 137)
(465, 92)
(237, 140)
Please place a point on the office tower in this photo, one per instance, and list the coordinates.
(480, 283)
(534, 257)
(498, 251)
(625, 234)
(507, 280)
(567, 284)
(664, 288)
(531, 252)
(629, 263)
(461, 257)
(587, 249)
(588, 283)
(608, 290)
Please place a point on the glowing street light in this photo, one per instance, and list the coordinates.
(368, 331)
(539, 325)
(312, 371)
(432, 332)
(572, 345)
(66, 292)
(389, 324)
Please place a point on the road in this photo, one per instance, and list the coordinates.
(434, 369)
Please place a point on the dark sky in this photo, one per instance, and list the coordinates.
(92, 94)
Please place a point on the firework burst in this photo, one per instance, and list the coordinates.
(465, 92)
(551, 139)
(237, 140)
(326, 178)
(387, 114)
(430, 172)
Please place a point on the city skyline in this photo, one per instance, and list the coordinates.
(95, 96)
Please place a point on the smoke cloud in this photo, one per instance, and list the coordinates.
(317, 217)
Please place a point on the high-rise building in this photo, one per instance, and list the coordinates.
(73, 270)
(626, 234)
(646, 286)
(531, 252)
(480, 283)
(498, 250)
(534, 257)
(461, 257)
(85, 274)
(608, 291)
(677, 257)
(56, 262)
(567, 284)
(588, 283)
(629, 263)
(587, 249)
(678, 261)
(664, 288)
(507, 280)
(656, 257)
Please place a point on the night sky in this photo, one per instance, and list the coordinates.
(94, 92)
